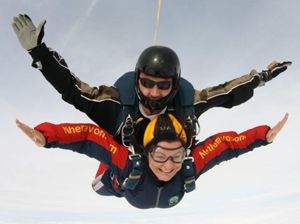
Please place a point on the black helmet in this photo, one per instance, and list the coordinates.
(158, 61)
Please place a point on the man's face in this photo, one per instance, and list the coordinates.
(168, 152)
(161, 88)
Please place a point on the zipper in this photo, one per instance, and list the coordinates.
(158, 196)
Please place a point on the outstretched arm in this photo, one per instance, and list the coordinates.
(236, 91)
(227, 145)
(83, 138)
(96, 102)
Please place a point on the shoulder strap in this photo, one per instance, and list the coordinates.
(184, 99)
(135, 175)
(184, 105)
(189, 174)
(128, 99)
(126, 88)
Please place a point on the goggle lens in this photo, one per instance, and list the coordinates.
(160, 157)
(163, 85)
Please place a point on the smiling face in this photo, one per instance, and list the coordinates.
(173, 151)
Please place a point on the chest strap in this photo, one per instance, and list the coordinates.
(189, 174)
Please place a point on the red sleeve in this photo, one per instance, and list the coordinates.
(87, 139)
(227, 145)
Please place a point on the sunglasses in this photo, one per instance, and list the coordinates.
(160, 157)
(163, 85)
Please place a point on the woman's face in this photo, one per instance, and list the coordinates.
(172, 153)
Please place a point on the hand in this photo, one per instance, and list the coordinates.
(274, 69)
(276, 129)
(28, 35)
(37, 137)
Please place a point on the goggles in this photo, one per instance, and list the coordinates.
(158, 155)
(163, 85)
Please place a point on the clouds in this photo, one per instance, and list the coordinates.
(77, 23)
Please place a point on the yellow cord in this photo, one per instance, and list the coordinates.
(157, 23)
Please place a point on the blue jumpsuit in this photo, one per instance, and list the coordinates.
(95, 142)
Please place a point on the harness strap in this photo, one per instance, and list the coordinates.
(189, 174)
(135, 175)
(127, 130)
(191, 125)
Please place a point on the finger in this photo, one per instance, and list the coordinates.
(22, 19)
(36, 136)
(26, 129)
(15, 27)
(27, 17)
(18, 122)
(272, 133)
(286, 63)
(18, 23)
(281, 123)
(41, 25)
(28, 21)
(21, 125)
(276, 65)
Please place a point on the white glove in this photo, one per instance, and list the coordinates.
(28, 35)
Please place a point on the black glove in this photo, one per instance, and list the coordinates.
(274, 69)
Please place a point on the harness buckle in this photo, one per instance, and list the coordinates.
(127, 130)
(135, 175)
(134, 157)
(189, 174)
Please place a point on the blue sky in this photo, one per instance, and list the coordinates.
(216, 42)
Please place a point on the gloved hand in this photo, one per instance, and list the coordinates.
(274, 69)
(28, 35)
